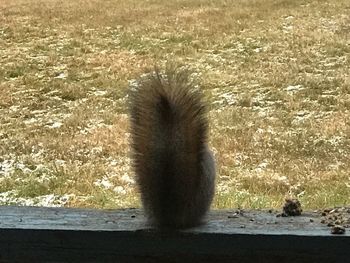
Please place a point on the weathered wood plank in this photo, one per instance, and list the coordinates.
(29, 234)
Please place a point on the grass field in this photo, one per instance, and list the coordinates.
(275, 72)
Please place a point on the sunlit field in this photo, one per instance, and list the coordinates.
(275, 73)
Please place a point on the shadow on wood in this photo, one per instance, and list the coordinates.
(33, 234)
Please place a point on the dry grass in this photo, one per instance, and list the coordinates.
(276, 73)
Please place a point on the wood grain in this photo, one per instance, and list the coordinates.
(34, 234)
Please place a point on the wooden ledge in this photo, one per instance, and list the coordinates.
(34, 234)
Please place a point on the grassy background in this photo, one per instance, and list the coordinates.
(276, 74)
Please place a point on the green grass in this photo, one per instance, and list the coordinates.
(275, 73)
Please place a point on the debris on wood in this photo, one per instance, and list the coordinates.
(292, 207)
(337, 218)
(338, 230)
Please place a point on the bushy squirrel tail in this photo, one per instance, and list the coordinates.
(174, 169)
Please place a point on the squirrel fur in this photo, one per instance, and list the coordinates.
(175, 170)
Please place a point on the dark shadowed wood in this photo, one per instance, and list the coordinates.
(31, 234)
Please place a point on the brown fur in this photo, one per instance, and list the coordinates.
(174, 169)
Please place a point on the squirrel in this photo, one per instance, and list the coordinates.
(175, 170)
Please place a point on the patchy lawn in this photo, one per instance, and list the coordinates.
(276, 74)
